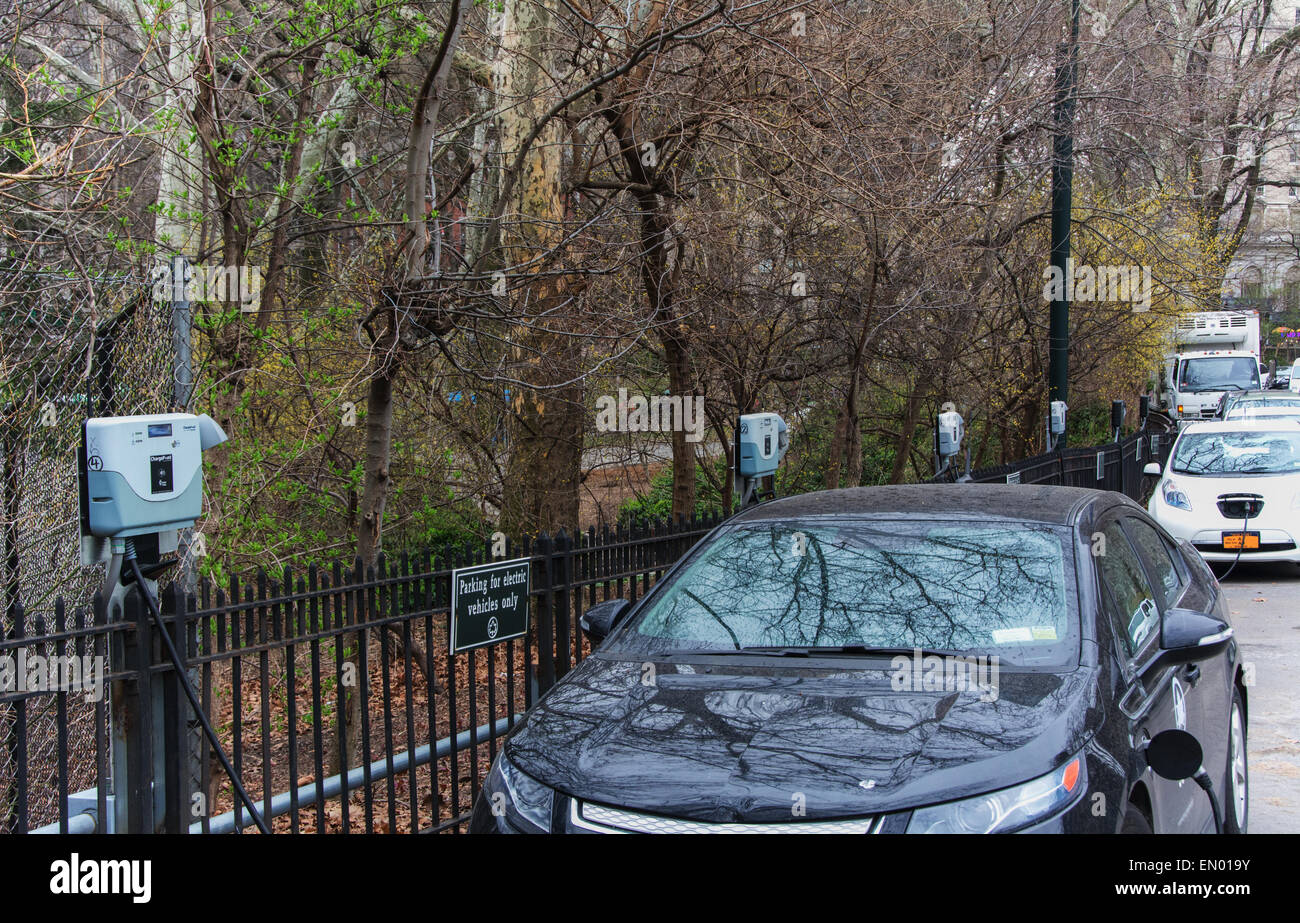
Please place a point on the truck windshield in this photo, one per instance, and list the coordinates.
(1219, 373)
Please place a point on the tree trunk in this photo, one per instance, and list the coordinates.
(544, 468)
(903, 447)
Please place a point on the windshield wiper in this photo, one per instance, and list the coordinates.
(810, 650)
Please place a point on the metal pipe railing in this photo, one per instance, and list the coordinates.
(86, 822)
(379, 769)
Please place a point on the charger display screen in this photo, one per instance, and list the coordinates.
(159, 429)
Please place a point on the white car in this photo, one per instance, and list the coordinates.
(1233, 486)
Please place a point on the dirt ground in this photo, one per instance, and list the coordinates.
(605, 489)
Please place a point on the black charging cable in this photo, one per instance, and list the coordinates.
(189, 690)
(1202, 778)
(1240, 548)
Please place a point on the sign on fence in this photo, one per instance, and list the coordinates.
(1013, 477)
(489, 603)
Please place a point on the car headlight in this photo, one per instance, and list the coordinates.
(1175, 496)
(1009, 809)
(521, 799)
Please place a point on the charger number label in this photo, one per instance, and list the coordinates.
(160, 474)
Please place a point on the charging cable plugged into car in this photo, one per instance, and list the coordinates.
(1175, 754)
(1252, 504)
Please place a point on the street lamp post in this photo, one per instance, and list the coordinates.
(1058, 352)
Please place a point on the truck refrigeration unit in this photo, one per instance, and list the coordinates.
(1211, 353)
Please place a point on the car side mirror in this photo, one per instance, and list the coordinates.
(1152, 470)
(598, 621)
(1187, 636)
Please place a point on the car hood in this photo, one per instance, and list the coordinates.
(1203, 491)
(743, 743)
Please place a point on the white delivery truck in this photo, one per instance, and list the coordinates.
(1212, 352)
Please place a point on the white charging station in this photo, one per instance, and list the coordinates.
(949, 433)
(142, 475)
(761, 442)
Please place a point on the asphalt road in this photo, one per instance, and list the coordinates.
(1265, 604)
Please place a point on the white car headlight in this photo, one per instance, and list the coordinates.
(1009, 809)
(1175, 496)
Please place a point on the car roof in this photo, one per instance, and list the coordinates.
(1261, 424)
(1023, 502)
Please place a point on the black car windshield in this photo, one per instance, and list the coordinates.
(1218, 373)
(1000, 588)
(1237, 452)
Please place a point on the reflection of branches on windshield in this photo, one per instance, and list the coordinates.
(989, 562)
(812, 547)
(930, 603)
(717, 618)
(877, 587)
(1256, 453)
(1190, 458)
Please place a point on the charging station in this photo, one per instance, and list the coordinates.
(761, 442)
(141, 476)
(1055, 423)
(949, 434)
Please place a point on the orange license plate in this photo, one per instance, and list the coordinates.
(1237, 541)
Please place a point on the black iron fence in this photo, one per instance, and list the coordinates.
(334, 691)
(1116, 466)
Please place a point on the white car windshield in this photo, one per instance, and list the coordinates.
(1243, 452)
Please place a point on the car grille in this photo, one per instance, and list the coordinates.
(1240, 506)
(602, 819)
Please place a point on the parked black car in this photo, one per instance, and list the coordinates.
(929, 658)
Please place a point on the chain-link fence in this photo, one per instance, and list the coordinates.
(70, 347)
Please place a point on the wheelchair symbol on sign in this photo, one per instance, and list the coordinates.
(493, 627)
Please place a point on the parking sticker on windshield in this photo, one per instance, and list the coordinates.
(1044, 632)
(1012, 635)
